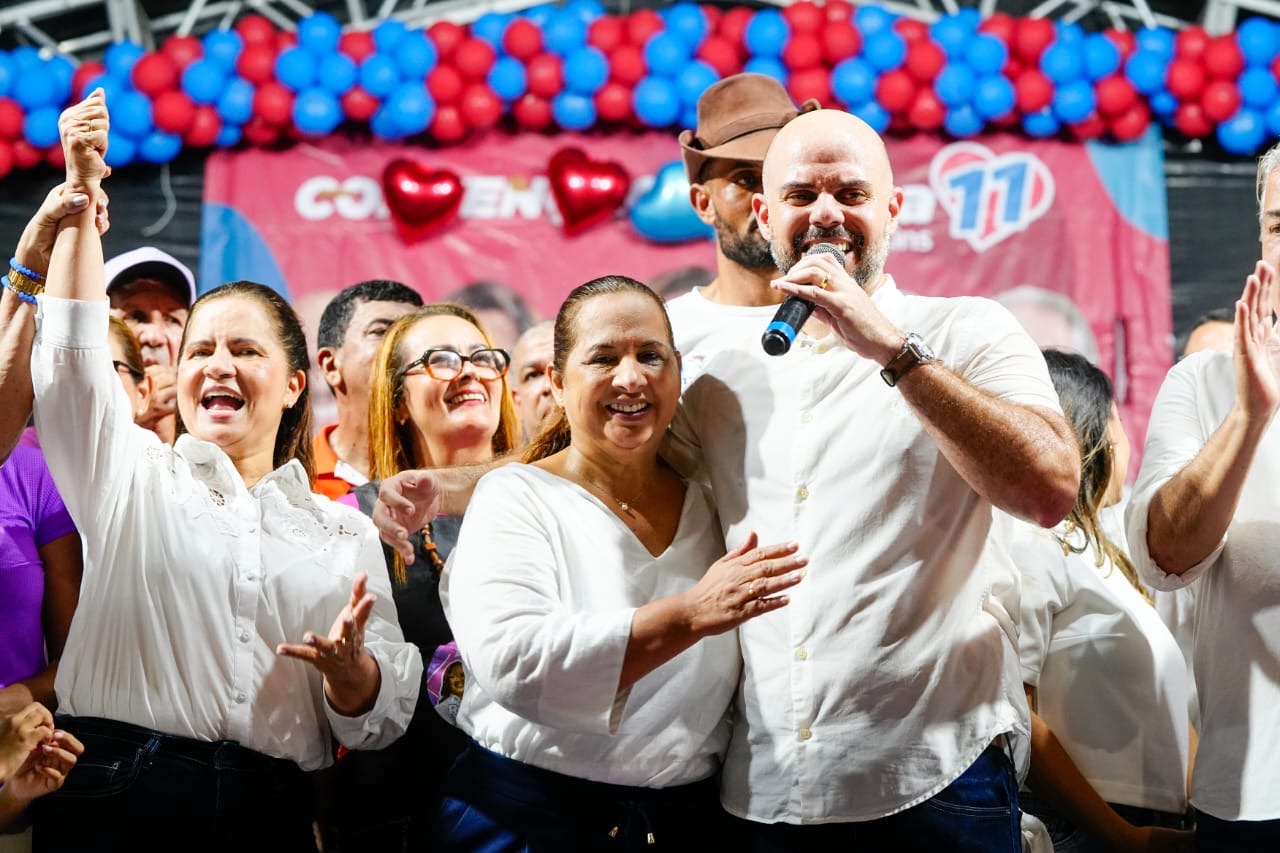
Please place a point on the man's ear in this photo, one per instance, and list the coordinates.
(700, 198)
(327, 361)
(761, 209)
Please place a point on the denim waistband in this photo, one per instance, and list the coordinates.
(220, 754)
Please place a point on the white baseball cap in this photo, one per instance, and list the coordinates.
(150, 263)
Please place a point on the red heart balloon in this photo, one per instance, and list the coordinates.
(586, 191)
(420, 199)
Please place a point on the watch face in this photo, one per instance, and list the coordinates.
(922, 350)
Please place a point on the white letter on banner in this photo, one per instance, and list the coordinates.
(359, 198)
(313, 200)
(524, 197)
(481, 196)
(918, 205)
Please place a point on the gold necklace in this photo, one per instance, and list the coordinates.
(625, 506)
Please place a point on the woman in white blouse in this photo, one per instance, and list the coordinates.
(599, 647)
(205, 670)
(1105, 678)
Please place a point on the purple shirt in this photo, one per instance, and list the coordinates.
(31, 516)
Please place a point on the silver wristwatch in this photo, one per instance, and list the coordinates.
(914, 352)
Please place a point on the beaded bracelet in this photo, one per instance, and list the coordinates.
(27, 271)
(25, 282)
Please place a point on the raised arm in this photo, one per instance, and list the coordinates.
(75, 268)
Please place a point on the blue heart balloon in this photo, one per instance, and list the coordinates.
(664, 214)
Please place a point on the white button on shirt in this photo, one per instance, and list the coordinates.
(191, 581)
(911, 667)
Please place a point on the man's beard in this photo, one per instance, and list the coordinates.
(749, 250)
(871, 257)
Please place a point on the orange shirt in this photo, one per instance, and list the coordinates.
(328, 483)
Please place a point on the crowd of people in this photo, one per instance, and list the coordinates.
(621, 580)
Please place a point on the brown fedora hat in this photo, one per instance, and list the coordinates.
(737, 119)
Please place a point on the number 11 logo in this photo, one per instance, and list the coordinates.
(989, 197)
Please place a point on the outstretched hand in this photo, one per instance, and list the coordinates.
(1257, 346)
(83, 130)
(406, 502)
(341, 657)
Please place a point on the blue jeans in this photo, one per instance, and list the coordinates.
(977, 813)
(1214, 835)
(139, 790)
(1067, 837)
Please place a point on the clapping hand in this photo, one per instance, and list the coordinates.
(1257, 346)
(351, 675)
(406, 502)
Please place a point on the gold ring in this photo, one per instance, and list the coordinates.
(751, 590)
(826, 279)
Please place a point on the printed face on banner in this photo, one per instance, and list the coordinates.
(989, 197)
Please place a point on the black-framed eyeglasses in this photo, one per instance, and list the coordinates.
(128, 368)
(445, 364)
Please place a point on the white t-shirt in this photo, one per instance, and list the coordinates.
(1236, 619)
(1109, 677)
(540, 591)
(895, 665)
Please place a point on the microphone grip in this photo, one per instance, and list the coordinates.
(781, 333)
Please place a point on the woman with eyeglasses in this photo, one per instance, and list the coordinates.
(126, 357)
(438, 397)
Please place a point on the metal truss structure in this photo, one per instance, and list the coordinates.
(83, 29)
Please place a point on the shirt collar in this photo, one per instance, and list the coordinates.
(211, 466)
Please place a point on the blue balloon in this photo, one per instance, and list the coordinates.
(317, 112)
(686, 22)
(35, 88)
(1061, 62)
(963, 121)
(954, 84)
(585, 71)
(319, 33)
(384, 124)
(387, 34)
(491, 25)
(160, 147)
(25, 56)
(1163, 103)
(62, 71)
(1041, 124)
(1101, 56)
(767, 33)
(656, 101)
(121, 150)
(507, 78)
(969, 17)
(1157, 40)
(537, 14)
(986, 54)
(223, 47)
(296, 68)
(415, 55)
(873, 114)
(202, 80)
(40, 127)
(766, 65)
(663, 214)
(885, 50)
(1273, 120)
(119, 58)
(872, 19)
(1074, 101)
(229, 135)
(1244, 132)
(1258, 87)
(131, 115)
(235, 105)
(1068, 31)
(8, 73)
(951, 35)
(564, 33)
(378, 75)
(411, 106)
(112, 87)
(573, 111)
(338, 73)
(1258, 40)
(853, 81)
(1146, 71)
(587, 10)
(665, 54)
(994, 97)
(688, 116)
(693, 80)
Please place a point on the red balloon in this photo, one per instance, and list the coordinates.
(1000, 25)
(6, 159)
(586, 191)
(183, 50)
(626, 65)
(1275, 67)
(1191, 42)
(1222, 58)
(448, 125)
(359, 105)
(85, 72)
(173, 112)
(256, 30)
(804, 17)
(544, 75)
(25, 155)
(286, 39)
(273, 103)
(523, 39)
(1185, 78)
(358, 45)
(153, 74)
(911, 30)
(642, 25)
(532, 112)
(810, 83)
(1116, 95)
(1012, 67)
(204, 129)
(720, 54)
(895, 90)
(1131, 124)
(474, 57)
(1030, 37)
(1124, 40)
(256, 63)
(927, 112)
(259, 131)
(11, 118)
(420, 200)
(1220, 100)
(54, 156)
(480, 106)
(840, 40)
(1090, 128)
(838, 10)
(733, 25)
(445, 84)
(924, 60)
(447, 36)
(1034, 90)
(803, 50)
(712, 14)
(1191, 120)
(613, 101)
(606, 33)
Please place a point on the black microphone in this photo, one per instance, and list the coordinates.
(792, 313)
